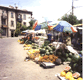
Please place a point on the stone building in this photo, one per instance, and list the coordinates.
(9, 16)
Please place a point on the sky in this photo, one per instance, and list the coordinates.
(48, 9)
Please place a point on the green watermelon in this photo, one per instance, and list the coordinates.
(58, 53)
(70, 55)
(53, 48)
(64, 55)
(63, 59)
(34, 47)
(42, 54)
(42, 50)
(75, 59)
(47, 53)
(67, 55)
(69, 59)
(51, 52)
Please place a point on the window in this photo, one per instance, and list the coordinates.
(24, 16)
(4, 21)
(24, 23)
(12, 15)
(2, 11)
(12, 23)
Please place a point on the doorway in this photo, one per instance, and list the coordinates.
(12, 33)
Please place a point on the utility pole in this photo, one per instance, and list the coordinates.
(72, 7)
(72, 12)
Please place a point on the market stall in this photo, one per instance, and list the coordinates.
(49, 54)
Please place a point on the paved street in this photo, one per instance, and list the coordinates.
(13, 66)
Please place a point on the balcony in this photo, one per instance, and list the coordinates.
(19, 19)
(4, 26)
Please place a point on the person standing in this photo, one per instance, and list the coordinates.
(49, 36)
(54, 35)
(60, 37)
(68, 39)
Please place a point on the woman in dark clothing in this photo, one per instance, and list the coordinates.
(74, 40)
(49, 36)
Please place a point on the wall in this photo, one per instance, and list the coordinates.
(0, 17)
(9, 22)
(27, 19)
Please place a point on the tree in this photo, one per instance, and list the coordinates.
(31, 24)
(71, 19)
(18, 27)
(80, 21)
(23, 28)
(1, 30)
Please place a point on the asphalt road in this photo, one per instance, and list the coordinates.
(13, 66)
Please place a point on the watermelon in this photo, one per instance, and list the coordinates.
(53, 48)
(59, 53)
(47, 53)
(63, 59)
(79, 69)
(54, 52)
(42, 51)
(50, 49)
(69, 59)
(67, 55)
(26, 42)
(67, 68)
(46, 42)
(75, 59)
(64, 55)
(80, 62)
(42, 54)
(42, 46)
(51, 52)
(70, 55)
(29, 42)
(47, 50)
(34, 47)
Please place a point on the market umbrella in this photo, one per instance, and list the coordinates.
(44, 25)
(63, 26)
(39, 26)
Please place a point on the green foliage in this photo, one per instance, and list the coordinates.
(80, 21)
(1, 31)
(18, 25)
(29, 27)
(71, 19)
(23, 28)
(17, 31)
(31, 23)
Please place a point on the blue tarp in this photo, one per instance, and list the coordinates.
(38, 27)
(49, 36)
(58, 28)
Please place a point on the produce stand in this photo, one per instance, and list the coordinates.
(42, 51)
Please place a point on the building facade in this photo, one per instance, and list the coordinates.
(9, 16)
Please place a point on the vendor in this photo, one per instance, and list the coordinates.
(60, 37)
(68, 39)
(49, 36)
